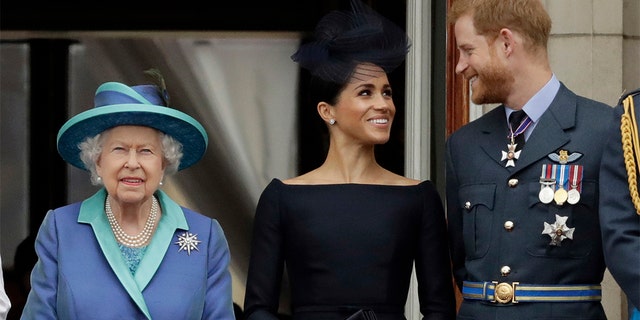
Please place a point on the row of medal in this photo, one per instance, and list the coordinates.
(561, 183)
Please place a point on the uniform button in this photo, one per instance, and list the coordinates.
(513, 183)
(508, 225)
(467, 205)
(505, 271)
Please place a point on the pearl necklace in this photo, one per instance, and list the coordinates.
(141, 238)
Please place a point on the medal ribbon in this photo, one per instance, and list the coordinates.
(546, 175)
(524, 124)
(547, 184)
(575, 175)
(563, 178)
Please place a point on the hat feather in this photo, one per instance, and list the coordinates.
(158, 79)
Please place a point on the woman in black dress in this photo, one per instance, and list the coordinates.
(350, 231)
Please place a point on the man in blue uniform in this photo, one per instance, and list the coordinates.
(522, 198)
(620, 202)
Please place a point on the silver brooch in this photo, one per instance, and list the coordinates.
(188, 241)
(558, 231)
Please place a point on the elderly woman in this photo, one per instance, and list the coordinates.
(130, 251)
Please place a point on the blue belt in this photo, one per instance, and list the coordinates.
(515, 292)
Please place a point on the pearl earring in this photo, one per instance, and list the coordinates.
(99, 179)
(161, 183)
(332, 121)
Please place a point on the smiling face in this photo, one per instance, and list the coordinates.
(481, 63)
(131, 163)
(364, 110)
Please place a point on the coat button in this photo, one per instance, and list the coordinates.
(513, 183)
(508, 225)
(467, 205)
(505, 271)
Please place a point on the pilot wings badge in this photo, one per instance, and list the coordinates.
(563, 156)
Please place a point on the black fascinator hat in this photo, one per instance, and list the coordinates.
(344, 39)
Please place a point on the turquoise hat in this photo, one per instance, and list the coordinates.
(117, 104)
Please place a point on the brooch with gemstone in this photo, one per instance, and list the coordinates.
(188, 242)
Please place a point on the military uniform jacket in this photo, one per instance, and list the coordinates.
(619, 220)
(496, 219)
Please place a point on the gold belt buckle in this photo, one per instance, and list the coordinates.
(504, 292)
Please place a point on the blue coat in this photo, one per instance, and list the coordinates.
(496, 219)
(620, 224)
(81, 273)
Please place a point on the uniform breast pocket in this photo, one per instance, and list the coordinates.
(577, 224)
(477, 202)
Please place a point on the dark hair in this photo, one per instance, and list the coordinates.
(321, 90)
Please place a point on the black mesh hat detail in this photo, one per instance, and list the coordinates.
(344, 39)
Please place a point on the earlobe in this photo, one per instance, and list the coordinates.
(324, 110)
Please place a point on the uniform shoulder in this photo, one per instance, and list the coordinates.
(634, 94)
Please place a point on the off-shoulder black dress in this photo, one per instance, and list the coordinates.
(347, 247)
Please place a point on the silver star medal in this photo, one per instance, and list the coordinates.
(511, 155)
(188, 242)
(558, 231)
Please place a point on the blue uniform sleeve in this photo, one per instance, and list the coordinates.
(619, 221)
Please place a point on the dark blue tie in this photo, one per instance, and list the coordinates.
(515, 119)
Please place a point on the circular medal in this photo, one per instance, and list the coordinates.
(546, 195)
(560, 196)
(573, 196)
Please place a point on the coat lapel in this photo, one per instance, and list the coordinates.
(550, 134)
(171, 220)
(495, 135)
(92, 212)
